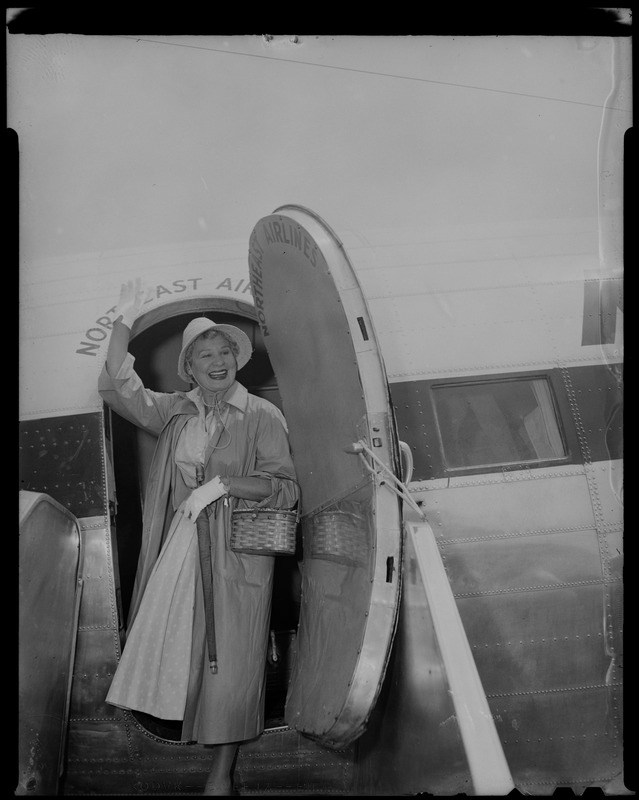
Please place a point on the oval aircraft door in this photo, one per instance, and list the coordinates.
(332, 382)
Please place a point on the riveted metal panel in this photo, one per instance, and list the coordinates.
(523, 562)
(282, 761)
(538, 639)
(63, 457)
(93, 673)
(562, 737)
(416, 426)
(514, 503)
(99, 602)
(606, 482)
(596, 396)
(118, 756)
(552, 684)
(98, 640)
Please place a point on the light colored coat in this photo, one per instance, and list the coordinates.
(227, 706)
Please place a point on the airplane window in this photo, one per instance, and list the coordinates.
(498, 422)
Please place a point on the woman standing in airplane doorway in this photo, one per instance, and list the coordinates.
(239, 442)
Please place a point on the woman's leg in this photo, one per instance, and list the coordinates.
(220, 780)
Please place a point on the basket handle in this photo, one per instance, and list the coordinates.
(262, 503)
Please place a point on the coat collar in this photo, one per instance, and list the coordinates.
(236, 395)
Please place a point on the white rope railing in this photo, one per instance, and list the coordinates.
(385, 475)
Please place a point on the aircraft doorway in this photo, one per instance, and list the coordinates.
(156, 348)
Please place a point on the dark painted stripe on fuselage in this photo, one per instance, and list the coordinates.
(589, 405)
(62, 457)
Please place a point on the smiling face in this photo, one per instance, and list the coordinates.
(212, 364)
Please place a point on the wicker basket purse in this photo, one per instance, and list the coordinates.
(265, 531)
(340, 536)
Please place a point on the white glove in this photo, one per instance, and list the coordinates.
(132, 298)
(203, 496)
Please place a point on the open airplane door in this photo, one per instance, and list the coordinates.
(331, 377)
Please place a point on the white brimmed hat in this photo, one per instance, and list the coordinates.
(197, 327)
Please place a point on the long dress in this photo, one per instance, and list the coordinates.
(153, 673)
(164, 667)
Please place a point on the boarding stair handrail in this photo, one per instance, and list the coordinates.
(489, 769)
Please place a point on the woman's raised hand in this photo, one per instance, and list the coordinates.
(133, 295)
